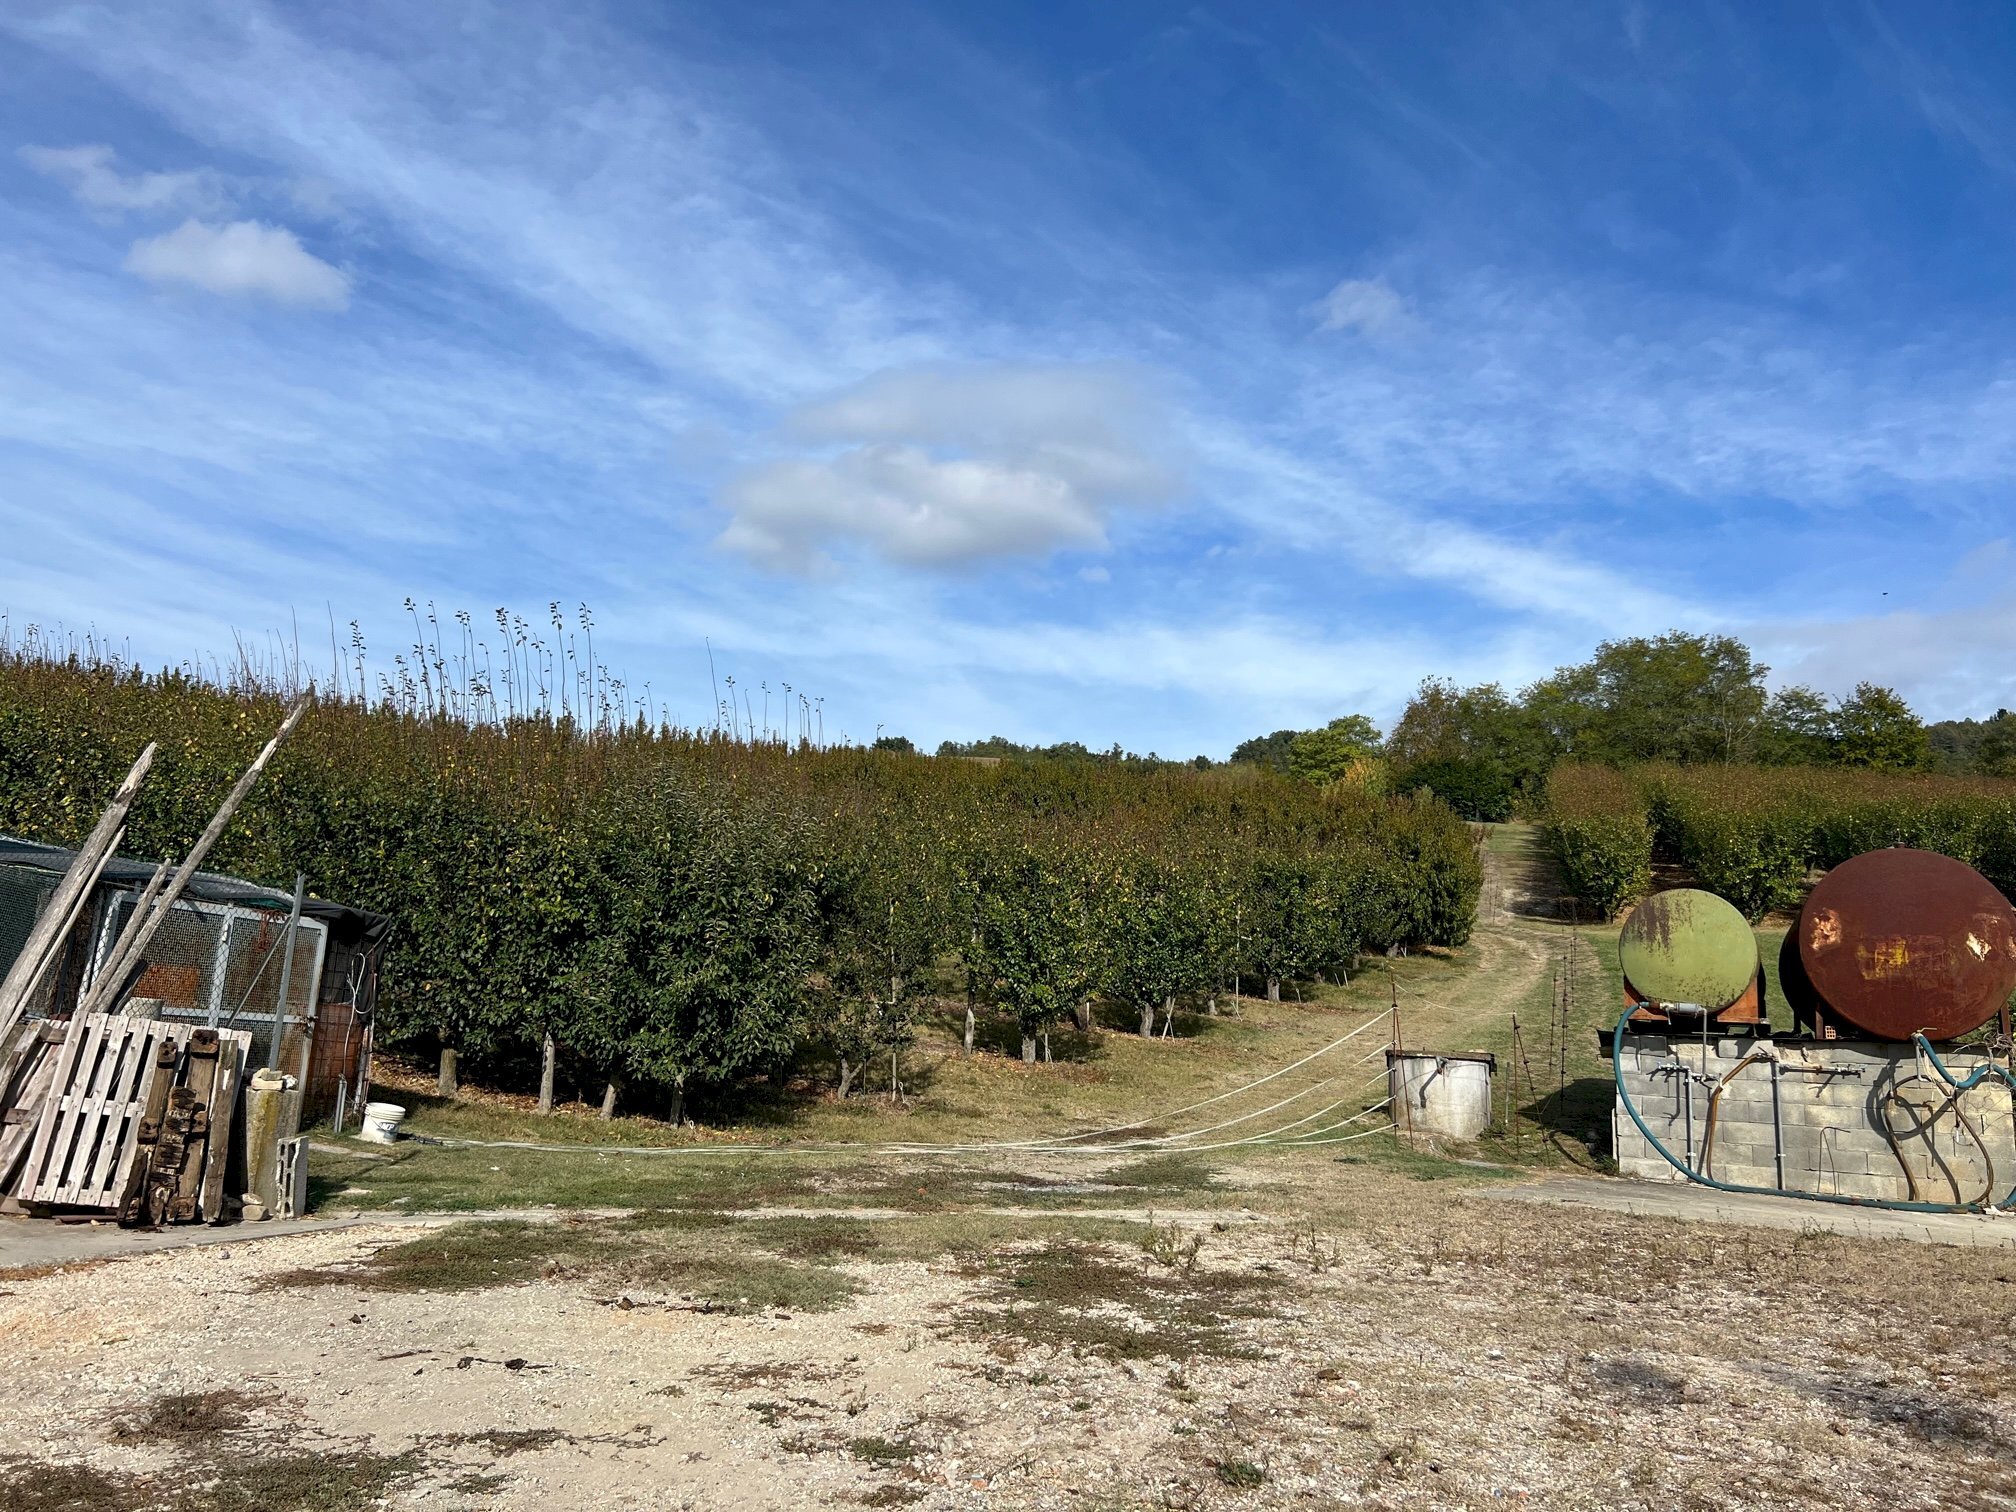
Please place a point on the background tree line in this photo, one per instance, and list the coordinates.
(1680, 698)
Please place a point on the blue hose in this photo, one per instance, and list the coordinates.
(1979, 1075)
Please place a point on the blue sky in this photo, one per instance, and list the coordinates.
(1158, 374)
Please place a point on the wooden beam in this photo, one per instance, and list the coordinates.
(44, 943)
(141, 928)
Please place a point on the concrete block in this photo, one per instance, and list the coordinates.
(1886, 1188)
(1734, 1154)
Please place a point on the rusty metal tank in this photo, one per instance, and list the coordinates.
(1688, 946)
(1902, 942)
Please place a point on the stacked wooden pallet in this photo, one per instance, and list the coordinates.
(121, 1116)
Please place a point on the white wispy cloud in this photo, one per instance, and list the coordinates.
(1365, 305)
(943, 466)
(92, 175)
(241, 258)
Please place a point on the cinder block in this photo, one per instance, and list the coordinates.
(1733, 1154)
(1884, 1188)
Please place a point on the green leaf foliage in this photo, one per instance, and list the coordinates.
(679, 910)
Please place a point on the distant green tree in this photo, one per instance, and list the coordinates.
(1797, 730)
(1983, 747)
(1477, 789)
(895, 743)
(1995, 751)
(1472, 747)
(886, 912)
(1270, 751)
(1322, 756)
(1874, 727)
(1673, 697)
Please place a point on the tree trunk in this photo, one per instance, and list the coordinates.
(969, 994)
(1046, 1047)
(1273, 989)
(1029, 1049)
(1169, 1015)
(547, 1054)
(608, 1100)
(1082, 1014)
(847, 1075)
(678, 1113)
(895, 1083)
(1147, 1021)
(446, 1083)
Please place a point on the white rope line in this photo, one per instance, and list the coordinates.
(1383, 1104)
(1293, 1144)
(1271, 1134)
(1054, 1143)
(1352, 1096)
(1065, 1144)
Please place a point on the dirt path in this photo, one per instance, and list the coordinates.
(1511, 952)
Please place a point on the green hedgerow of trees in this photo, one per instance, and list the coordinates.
(677, 911)
(1755, 834)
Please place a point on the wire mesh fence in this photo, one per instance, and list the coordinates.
(217, 964)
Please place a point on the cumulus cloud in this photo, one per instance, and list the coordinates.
(91, 174)
(241, 258)
(1368, 306)
(943, 466)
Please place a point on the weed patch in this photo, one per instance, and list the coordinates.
(1074, 1297)
(187, 1417)
(882, 1451)
(464, 1257)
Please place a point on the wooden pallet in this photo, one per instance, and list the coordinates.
(87, 1135)
(27, 1070)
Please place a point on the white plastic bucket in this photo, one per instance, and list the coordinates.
(381, 1122)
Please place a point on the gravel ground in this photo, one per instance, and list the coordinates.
(1392, 1345)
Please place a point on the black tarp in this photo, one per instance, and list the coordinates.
(354, 927)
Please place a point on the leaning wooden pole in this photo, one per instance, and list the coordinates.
(141, 928)
(45, 940)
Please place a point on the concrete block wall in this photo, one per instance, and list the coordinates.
(1823, 1130)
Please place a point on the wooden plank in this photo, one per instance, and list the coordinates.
(119, 1142)
(132, 1183)
(14, 1059)
(49, 931)
(199, 1079)
(164, 1173)
(232, 1048)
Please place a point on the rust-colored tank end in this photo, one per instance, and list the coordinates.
(1900, 942)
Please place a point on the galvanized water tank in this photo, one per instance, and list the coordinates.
(1447, 1095)
(1688, 946)
(1901, 942)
